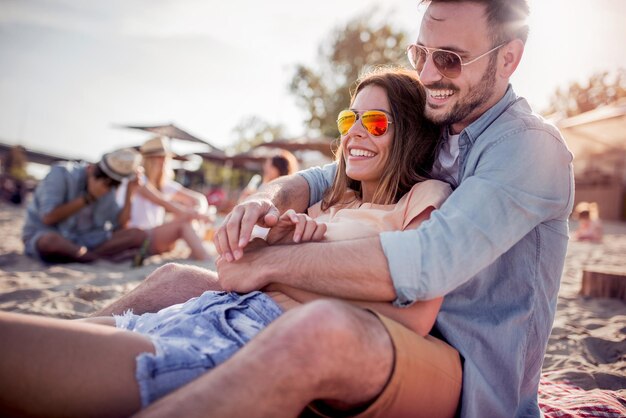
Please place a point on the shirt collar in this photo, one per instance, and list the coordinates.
(476, 128)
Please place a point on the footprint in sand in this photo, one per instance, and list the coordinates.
(605, 351)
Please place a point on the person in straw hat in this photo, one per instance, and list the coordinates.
(74, 216)
(155, 195)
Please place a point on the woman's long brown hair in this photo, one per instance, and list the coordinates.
(414, 143)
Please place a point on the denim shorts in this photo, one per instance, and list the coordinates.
(193, 337)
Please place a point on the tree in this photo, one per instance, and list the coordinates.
(252, 131)
(601, 89)
(358, 46)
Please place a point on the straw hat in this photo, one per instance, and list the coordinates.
(156, 147)
(120, 164)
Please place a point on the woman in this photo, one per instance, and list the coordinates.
(156, 194)
(387, 147)
(279, 165)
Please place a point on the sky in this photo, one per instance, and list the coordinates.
(72, 71)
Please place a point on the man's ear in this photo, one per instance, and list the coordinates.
(511, 56)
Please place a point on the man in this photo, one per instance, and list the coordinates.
(495, 249)
(73, 215)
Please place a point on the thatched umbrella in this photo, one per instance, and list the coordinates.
(323, 145)
(174, 132)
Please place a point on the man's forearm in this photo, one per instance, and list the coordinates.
(354, 269)
(64, 211)
(287, 192)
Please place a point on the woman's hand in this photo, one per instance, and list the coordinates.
(293, 228)
(138, 181)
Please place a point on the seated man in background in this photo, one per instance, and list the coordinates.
(73, 215)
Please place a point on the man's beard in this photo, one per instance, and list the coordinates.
(475, 98)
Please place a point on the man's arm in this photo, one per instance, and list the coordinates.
(64, 211)
(490, 212)
(352, 269)
(51, 193)
(262, 208)
(297, 191)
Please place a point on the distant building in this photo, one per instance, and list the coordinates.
(598, 140)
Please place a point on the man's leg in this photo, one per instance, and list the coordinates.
(323, 350)
(166, 286)
(122, 240)
(53, 247)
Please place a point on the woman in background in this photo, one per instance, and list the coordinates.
(279, 165)
(155, 195)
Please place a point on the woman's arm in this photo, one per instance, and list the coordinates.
(130, 188)
(151, 193)
(191, 198)
(419, 317)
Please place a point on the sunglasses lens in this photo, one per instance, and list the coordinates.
(417, 57)
(345, 120)
(375, 122)
(448, 63)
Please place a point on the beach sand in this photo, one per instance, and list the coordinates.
(71, 290)
(587, 347)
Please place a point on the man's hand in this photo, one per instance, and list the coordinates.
(293, 228)
(234, 233)
(248, 273)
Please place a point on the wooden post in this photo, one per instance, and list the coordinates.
(604, 284)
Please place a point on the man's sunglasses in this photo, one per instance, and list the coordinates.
(376, 122)
(448, 63)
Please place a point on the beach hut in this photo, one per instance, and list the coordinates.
(598, 140)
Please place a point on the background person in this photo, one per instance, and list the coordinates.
(155, 195)
(282, 164)
(13, 175)
(73, 215)
(589, 223)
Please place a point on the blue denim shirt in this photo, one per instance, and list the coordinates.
(496, 249)
(90, 226)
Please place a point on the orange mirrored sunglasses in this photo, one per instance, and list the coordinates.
(376, 122)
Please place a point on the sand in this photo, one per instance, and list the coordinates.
(587, 346)
(71, 290)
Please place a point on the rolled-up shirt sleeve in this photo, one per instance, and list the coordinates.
(52, 191)
(499, 201)
(319, 179)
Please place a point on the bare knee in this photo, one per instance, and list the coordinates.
(180, 275)
(136, 236)
(346, 349)
(50, 242)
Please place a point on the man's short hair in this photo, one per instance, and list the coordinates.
(100, 174)
(507, 19)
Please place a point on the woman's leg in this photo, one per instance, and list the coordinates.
(164, 236)
(67, 368)
(195, 243)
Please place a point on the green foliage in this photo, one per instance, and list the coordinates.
(601, 89)
(323, 91)
(252, 131)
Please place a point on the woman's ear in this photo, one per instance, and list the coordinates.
(511, 56)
